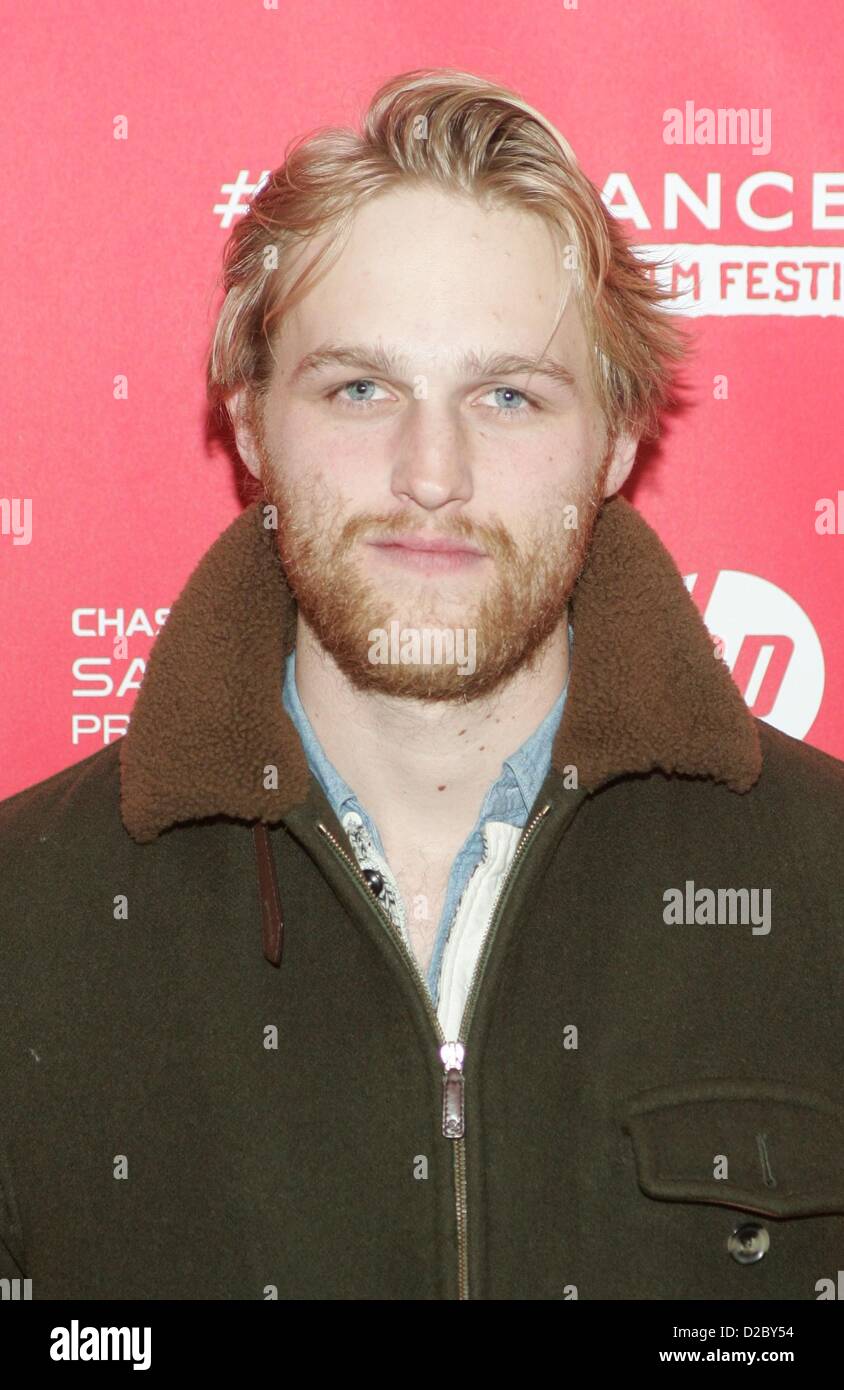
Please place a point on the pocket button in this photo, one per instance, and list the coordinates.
(748, 1243)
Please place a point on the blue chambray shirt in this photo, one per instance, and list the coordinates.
(509, 799)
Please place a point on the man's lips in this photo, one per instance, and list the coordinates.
(429, 555)
(434, 545)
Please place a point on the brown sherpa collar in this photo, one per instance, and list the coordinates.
(646, 690)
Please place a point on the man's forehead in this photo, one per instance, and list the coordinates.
(399, 340)
(438, 281)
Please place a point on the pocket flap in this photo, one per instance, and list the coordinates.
(784, 1146)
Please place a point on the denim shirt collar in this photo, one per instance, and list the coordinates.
(508, 799)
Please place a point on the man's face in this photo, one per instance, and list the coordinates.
(411, 432)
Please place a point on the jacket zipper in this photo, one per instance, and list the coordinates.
(451, 1054)
(468, 1011)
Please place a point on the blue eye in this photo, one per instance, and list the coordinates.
(359, 397)
(516, 403)
(356, 385)
(508, 391)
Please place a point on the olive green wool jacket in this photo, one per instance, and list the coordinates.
(221, 1077)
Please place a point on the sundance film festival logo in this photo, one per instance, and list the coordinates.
(776, 270)
(769, 644)
(423, 646)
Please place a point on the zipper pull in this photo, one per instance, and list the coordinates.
(451, 1055)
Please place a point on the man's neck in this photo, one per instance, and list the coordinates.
(422, 768)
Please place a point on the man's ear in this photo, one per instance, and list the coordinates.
(242, 409)
(621, 462)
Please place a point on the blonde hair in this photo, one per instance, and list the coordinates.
(471, 138)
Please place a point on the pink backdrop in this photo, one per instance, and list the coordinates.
(110, 493)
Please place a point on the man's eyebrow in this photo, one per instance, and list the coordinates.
(372, 357)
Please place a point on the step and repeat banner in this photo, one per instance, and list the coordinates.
(134, 136)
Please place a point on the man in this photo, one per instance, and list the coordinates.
(507, 966)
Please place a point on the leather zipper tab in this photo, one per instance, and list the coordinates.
(451, 1056)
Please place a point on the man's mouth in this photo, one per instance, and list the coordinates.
(433, 553)
(430, 543)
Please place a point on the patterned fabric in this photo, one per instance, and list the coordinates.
(368, 858)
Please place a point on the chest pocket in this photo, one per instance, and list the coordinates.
(773, 1150)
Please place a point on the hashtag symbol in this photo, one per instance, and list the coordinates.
(237, 191)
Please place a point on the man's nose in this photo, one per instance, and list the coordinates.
(433, 465)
